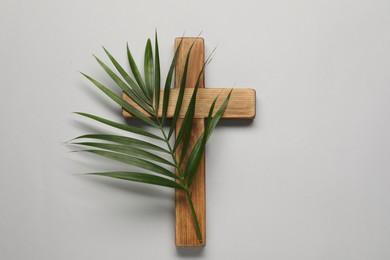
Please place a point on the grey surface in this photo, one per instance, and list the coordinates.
(307, 179)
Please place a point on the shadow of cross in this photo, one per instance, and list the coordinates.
(242, 105)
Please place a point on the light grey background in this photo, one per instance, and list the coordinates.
(307, 179)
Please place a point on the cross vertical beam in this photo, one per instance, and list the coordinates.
(185, 227)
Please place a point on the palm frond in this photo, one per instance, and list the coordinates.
(143, 154)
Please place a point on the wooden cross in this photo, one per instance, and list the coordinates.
(242, 105)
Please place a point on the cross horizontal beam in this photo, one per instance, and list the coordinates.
(242, 103)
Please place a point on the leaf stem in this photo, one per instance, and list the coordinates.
(198, 232)
(181, 177)
(166, 139)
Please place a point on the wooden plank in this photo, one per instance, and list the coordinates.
(185, 227)
(242, 103)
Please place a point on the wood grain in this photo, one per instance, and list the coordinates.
(185, 227)
(242, 103)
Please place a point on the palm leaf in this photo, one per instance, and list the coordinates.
(136, 152)
(128, 79)
(149, 69)
(136, 74)
(141, 163)
(186, 127)
(215, 119)
(181, 93)
(197, 152)
(132, 142)
(141, 177)
(168, 82)
(124, 127)
(157, 75)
